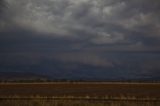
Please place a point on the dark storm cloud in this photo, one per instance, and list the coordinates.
(85, 24)
(24, 46)
(97, 21)
(2, 5)
(70, 34)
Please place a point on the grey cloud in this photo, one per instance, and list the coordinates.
(113, 38)
(92, 59)
(91, 19)
(3, 8)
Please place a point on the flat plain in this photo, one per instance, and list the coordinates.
(80, 94)
(92, 89)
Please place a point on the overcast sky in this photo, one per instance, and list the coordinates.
(97, 33)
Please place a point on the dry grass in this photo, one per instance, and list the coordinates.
(53, 102)
(79, 94)
(81, 89)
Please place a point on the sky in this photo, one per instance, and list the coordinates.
(92, 39)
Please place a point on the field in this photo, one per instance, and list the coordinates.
(79, 94)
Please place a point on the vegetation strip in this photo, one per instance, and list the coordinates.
(82, 98)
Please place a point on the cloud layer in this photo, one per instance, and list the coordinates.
(99, 21)
(80, 34)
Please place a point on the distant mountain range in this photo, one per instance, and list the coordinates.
(19, 76)
(22, 76)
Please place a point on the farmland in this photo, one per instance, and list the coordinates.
(80, 93)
